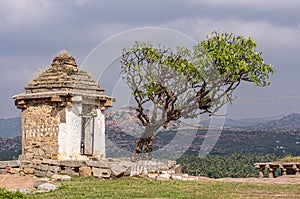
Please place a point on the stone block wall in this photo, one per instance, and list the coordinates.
(108, 168)
(40, 127)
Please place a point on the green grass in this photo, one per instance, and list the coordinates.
(144, 188)
(290, 159)
(4, 194)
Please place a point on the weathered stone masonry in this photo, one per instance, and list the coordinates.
(102, 168)
(63, 113)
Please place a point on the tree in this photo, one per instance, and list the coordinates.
(184, 83)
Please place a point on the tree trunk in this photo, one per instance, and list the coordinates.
(148, 147)
(144, 143)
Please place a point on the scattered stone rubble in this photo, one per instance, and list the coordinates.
(109, 168)
(50, 171)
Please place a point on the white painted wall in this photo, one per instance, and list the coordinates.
(69, 137)
(73, 119)
(62, 135)
(99, 136)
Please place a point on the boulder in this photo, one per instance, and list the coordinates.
(118, 170)
(169, 171)
(126, 164)
(85, 171)
(36, 161)
(39, 173)
(54, 169)
(164, 176)
(49, 174)
(193, 178)
(152, 175)
(12, 163)
(70, 171)
(72, 163)
(40, 182)
(171, 163)
(176, 177)
(13, 170)
(127, 172)
(44, 167)
(57, 177)
(178, 169)
(99, 164)
(101, 173)
(28, 170)
(51, 162)
(47, 187)
(3, 164)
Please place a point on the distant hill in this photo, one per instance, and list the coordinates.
(10, 148)
(287, 124)
(10, 127)
(229, 122)
(123, 128)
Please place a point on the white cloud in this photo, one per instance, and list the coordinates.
(268, 33)
(18, 14)
(257, 4)
(82, 2)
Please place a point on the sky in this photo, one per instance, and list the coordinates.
(32, 32)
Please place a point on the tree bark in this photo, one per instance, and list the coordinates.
(144, 144)
(148, 147)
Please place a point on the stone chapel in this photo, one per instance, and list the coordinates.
(63, 113)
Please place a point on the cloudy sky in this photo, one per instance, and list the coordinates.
(32, 32)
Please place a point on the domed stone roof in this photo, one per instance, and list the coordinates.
(63, 78)
(63, 75)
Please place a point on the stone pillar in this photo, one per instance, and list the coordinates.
(99, 135)
(270, 170)
(62, 138)
(297, 170)
(260, 168)
(74, 122)
(283, 170)
(261, 172)
(271, 173)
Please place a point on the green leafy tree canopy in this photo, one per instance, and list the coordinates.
(184, 83)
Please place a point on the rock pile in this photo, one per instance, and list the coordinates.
(109, 168)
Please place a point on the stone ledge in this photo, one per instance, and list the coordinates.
(11, 164)
(110, 168)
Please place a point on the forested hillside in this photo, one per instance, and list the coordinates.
(10, 148)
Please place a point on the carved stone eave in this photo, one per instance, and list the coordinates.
(59, 96)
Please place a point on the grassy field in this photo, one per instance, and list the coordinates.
(144, 188)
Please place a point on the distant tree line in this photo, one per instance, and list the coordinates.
(235, 165)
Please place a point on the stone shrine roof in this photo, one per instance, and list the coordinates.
(63, 78)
